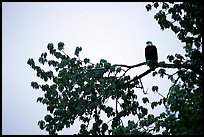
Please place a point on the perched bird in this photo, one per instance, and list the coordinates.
(151, 54)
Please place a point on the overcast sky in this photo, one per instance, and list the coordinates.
(114, 31)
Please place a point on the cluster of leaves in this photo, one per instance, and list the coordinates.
(185, 95)
(81, 89)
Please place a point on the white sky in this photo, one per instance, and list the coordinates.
(114, 31)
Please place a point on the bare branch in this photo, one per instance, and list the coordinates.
(163, 65)
(127, 66)
(138, 77)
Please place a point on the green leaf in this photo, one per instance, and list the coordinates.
(154, 73)
(57, 55)
(31, 62)
(48, 118)
(104, 127)
(50, 108)
(35, 85)
(118, 69)
(131, 124)
(45, 54)
(176, 88)
(49, 74)
(144, 111)
(77, 50)
(175, 29)
(165, 6)
(154, 104)
(170, 57)
(107, 66)
(154, 88)
(45, 101)
(60, 45)
(156, 5)
(41, 60)
(39, 99)
(86, 60)
(41, 124)
(145, 100)
(162, 72)
(45, 79)
(60, 87)
(148, 7)
(109, 111)
(50, 46)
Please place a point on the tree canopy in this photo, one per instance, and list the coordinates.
(81, 89)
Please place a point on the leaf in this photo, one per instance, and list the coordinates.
(60, 45)
(49, 74)
(45, 87)
(45, 101)
(177, 63)
(154, 104)
(154, 73)
(104, 127)
(39, 99)
(175, 29)
(145, 100)
(176, 88)
(57, 55)
(45, 79)
(148, 7)
(170, 57)
(45, 55)
(162, 72)
(131, 124)
(41, 60)
(77, 50)
(109, 111)
(48, 118)
(156, 5)
(154, 88)
(144, 111)
(41, 124)
(107, 66)
(50, 108)
(86, 60)
(35, 85)
(50, 46)
(31, 62)
(60, 88)
(118, 69)
(165, 6)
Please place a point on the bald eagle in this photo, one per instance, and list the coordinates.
(151, 54)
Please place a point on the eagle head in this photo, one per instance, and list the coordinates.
(149, 43)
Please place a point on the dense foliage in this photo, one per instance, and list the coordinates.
(185, 96)
(81, 89)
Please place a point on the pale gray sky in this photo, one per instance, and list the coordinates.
(113, 31)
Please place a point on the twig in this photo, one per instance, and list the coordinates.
(160, 94)
(142, 87)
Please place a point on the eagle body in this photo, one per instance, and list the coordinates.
(151, 53)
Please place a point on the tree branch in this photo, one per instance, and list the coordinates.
(186, 66)
(127, 66)
(161, 64)
(138, 77)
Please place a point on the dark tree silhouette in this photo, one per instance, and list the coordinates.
(81, 89)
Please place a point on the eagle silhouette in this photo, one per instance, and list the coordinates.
(151, 54)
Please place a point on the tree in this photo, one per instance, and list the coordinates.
(81, 89)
